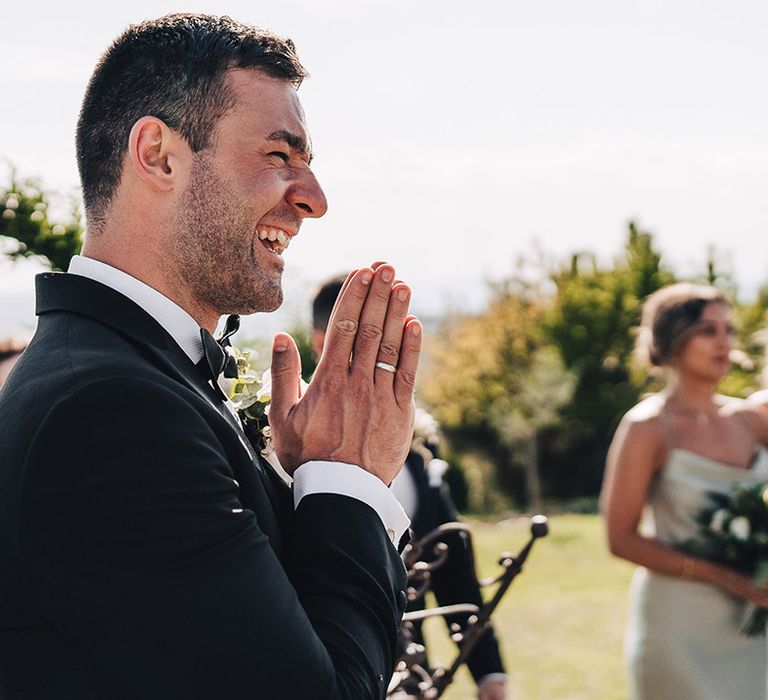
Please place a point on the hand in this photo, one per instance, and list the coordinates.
(744, 587)
(353, 411)
(492, 688)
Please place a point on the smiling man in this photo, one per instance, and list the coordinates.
(147, 551)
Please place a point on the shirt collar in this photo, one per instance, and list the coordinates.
(179, 324)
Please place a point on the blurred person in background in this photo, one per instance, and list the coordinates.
(669, 452)
(427, 501)
(10, 351)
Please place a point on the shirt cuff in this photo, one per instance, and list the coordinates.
(353, 481)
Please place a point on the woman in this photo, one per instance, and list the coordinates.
(683, 641)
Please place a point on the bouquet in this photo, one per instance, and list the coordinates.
(734, 532)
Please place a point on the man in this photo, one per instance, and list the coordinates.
(427, 502)
(146, 551)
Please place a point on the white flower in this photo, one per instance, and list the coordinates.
(424, 425)
(718, 520)
(264, 394)
(740, 528)
(245, 392)
(435, 470)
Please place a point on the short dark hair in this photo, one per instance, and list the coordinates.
(669, 315)
(322, 304)
(172, 68)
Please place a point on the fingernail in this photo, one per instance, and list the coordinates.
(366, 278)
(279, 345)
(402, 294)
(416, 329)
(387, 274)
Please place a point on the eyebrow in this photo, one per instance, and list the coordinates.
(296, 142)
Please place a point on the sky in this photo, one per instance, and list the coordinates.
(453, 137)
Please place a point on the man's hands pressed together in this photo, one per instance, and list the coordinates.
(353, 411)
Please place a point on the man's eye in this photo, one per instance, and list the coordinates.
(281, 155)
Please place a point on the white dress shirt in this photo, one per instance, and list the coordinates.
(406, 492)
(312, 477)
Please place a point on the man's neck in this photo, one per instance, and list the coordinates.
(152, 274)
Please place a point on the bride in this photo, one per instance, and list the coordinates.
(672, 449)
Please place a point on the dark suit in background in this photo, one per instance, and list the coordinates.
(455, 581)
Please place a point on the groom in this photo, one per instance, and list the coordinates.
(146, 551)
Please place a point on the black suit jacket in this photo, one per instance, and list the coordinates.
(147, 552)
(455, 581)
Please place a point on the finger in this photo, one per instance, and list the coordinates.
(372, 318)
(405, 379)
(345, 321)
(374, 267)
(286, 377)
(341, 291)
(392, 337)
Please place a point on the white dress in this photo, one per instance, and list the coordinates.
(683, 640)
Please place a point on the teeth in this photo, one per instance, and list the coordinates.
(279, 238)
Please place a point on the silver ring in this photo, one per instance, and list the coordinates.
(386, 367)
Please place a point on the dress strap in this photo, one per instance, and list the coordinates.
(759, 446)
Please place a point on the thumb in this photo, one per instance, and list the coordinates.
(286, 376)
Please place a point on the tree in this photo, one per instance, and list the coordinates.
(493, 386)
(24, 219)
(592, 325)
(519, 417)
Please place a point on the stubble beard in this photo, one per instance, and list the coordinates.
(214, 247)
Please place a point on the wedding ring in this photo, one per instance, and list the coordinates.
(386, 367)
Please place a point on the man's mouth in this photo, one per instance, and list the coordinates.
(273, 239)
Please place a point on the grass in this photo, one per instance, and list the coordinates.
(561, 623)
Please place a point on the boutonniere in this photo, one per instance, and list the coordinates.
(250, 394)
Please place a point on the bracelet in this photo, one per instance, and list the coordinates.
(687, 568)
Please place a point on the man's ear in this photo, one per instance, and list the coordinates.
(156, 153)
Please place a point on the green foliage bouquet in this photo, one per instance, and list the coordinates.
(733, 531)
(251, 393)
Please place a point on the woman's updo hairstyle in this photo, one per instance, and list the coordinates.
(669, 315)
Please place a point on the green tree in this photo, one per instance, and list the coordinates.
(592, 325)
(493, 385)
(24, 220)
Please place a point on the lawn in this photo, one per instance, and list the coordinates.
(562, 620)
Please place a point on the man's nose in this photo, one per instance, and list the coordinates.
(307, 197)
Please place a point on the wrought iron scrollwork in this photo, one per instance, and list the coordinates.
(413, 677)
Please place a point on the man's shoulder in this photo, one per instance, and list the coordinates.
(74, 361)
(70, 349)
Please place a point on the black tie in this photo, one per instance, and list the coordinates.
(218, 357)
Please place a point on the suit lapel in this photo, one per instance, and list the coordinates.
(58, 291)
